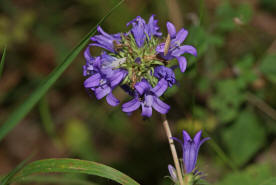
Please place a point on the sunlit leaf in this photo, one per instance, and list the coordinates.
(74, 166)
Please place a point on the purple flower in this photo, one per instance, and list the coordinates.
(172, 172)
(190, 148)
(175, 49)
(162, 72)
(152, 28)
(135, 61)
(141, 30)
(103, 78)
(105, 40)
(148, 98)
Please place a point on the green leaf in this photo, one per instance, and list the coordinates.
(244, 138)
(226, 13)
(56, 180)
(223, 102)
(253, 175)
(6, 180)
(268, 67)
(2, 61)
(41, 90)
(74, 166)
(271, 181)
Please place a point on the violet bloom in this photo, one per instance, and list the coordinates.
(190, 148)
(140, 29)
(135, 61)
(103, 78)
(162, 72)
(148, 98)
(105, 40)
(175, 49)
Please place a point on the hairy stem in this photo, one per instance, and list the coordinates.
(173, 150)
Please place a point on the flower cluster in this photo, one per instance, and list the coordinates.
(190, 149)
(138, 61)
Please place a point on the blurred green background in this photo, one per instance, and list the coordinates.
(228, 91)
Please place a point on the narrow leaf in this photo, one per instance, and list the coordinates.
(74, 166)
(2, 61)
(41, 90)
(56, 180)
(6, 180)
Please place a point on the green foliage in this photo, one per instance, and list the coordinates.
(268, 67)
(271, 181)
(231, 92)
(73, 166)
(41, 90)
(254, 175)
(244, 138)
(226, 14)
(228, 99)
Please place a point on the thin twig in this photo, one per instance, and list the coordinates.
(173, 150)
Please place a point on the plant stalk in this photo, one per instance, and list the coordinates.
(172, 147)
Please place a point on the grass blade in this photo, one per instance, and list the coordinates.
(55, 180)
(29, 103)
(2, 61)
(6, 180)
(74, 166)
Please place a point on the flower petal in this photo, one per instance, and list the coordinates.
(112, 100)
(160, 106)
(186, 137)
(131, 105)
(203, 140)
(148, 100)
(152, 28)
(142, 86)
(185, 49)
(181, 35)
(197, 137)
(161, 87)
(87, 54)
(182, 63)
(92, 81)
(102, 91)
(171, 29)
(117, 78)
(146, 110)
(172, 173)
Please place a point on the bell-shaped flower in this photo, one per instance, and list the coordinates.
(148, 98)
(190, 149)
(175, 50)
(105, 40)
(104, 79)
(140, 29)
